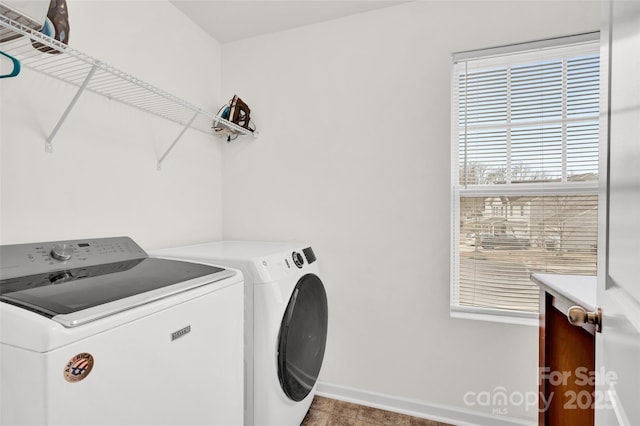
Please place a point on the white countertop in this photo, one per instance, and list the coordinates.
(580, 289)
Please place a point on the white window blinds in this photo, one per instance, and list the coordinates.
(525, 128)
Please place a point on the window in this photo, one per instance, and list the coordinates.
(525, 131)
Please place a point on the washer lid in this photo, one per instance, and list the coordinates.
(79, 295)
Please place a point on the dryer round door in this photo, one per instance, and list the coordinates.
(302, 338)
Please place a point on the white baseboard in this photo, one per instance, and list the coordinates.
(441, 413)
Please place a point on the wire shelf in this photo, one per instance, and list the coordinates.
(87, 73)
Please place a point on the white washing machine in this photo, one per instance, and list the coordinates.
(96, 332)
(285, 323)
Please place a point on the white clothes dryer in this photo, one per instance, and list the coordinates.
(96, 332)
(285, 323)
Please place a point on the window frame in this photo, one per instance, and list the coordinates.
(458, 191)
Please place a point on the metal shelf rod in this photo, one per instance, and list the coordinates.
(48, 147)
(184, 129)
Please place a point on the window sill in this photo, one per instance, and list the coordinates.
(495, 315)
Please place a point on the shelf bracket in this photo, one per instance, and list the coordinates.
(48, 147)
(184, 129)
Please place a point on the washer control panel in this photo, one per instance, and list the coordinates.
(35, 258)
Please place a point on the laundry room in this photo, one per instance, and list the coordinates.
(344, 170)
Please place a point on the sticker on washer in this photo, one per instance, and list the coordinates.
(78, 367)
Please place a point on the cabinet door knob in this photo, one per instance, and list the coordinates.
(579, 316)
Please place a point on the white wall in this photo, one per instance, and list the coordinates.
(354, 157)
(101, 179)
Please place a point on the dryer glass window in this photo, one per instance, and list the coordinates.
(303, 336)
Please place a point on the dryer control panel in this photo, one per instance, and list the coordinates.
(277, 266)
(19, 260)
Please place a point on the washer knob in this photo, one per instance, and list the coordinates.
(297, 259)
(62, 252)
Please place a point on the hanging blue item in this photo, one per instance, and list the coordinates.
(16, 66)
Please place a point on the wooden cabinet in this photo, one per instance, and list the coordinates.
(567, 352)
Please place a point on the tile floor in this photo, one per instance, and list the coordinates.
(331, 412)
